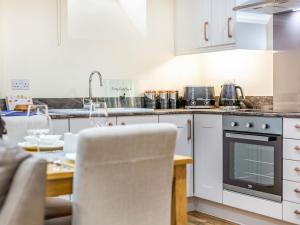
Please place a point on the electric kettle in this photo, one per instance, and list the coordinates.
(229, 97)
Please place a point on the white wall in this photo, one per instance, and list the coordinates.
(30, 50)
(253, 70)
(1, 52)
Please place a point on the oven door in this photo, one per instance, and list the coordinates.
(253, 164)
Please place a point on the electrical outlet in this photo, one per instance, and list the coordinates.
(20, 84)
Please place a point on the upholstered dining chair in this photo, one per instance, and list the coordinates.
(23, 184)
(22, 187)
(123, 175)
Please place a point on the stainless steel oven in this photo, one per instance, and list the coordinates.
(252, 156)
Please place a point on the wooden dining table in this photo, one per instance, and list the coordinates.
(60, 182)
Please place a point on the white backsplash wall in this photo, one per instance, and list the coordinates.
(30, 51)
(252, 70)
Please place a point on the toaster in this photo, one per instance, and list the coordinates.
(199, 97)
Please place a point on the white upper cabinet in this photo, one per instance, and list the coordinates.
(190, 18)
(223, 22)
(212, 25)
(203, 25)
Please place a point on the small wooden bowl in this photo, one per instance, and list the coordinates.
(24, 108)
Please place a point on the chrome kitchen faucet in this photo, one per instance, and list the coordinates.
(90, 83)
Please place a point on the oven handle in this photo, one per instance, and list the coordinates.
(250, 137)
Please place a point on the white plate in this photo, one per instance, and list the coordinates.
(33, 147)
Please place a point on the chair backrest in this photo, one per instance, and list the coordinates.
(22, 188)
(123, 175)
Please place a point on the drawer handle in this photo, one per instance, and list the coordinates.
(189, 134)
(205, 31)
(297, 126)
(297, 169)
(123, 124)
(228, 27)
(297, 212)
(297, 148)
(110, 124)
(297, 191)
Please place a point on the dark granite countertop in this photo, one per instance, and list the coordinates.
(216, 111)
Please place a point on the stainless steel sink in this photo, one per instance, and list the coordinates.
(109, 110)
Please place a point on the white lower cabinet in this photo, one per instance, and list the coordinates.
(184, 145)
(208, 157)
(253, 204)
(291, 128)
(291, 149)
(291, 170)
(291, 212)
(60, 126)
(291, 191)
(127, 120)
(78, 124)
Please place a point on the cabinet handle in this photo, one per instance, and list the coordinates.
(297, 169)
(297, 212)
(297, 148)
(228, 27)
(297, 126)
(205, 31)
(110, 124)
(123, 124)
(297, 191)
(189, 132)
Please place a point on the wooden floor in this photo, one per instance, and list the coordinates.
(196, 218)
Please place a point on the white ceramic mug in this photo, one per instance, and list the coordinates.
(70, 143)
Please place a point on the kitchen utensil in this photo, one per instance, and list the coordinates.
(70, 142)
(98, 114)
(41, 147)
(173, 99)
(199, 97)
(150, 99)
(40, 124)
(163, 99)
(229, 97)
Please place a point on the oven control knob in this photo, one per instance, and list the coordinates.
(265, 126)
(249, 125)
(234, 124)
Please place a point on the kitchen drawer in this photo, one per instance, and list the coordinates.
(291, 212)
(291, 149)
(290, 170)
(291, 128)
(78, 124)
(291, 191)
(128, 120)
(253, 204)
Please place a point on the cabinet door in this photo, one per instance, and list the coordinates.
(79, 124)
(127, 120)
(208, 157)
(230, 22)
(223, 19)
(205, 23)
(184, 144)
(60, 126)
(192, 18)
